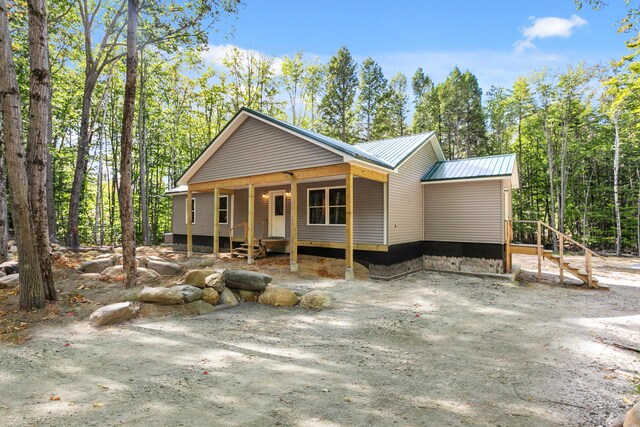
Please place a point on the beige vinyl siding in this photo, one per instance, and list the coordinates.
(261, 211)
(405, 197)
(368, 213)
(257, 148)
(204, 216)
(471, 211)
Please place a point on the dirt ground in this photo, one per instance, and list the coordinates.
(428, 350)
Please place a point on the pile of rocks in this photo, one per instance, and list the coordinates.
(150, 269)
(201, 291)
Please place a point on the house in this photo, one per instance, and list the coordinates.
(395, 205)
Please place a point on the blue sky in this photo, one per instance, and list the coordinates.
(496, 40)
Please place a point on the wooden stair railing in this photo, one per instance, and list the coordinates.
(242, 224)
(586, 275)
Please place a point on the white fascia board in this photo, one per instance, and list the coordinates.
(434, 144)
(371, 166)
(451, 181)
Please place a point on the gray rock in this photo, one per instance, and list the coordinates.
(9, 267)
(215, 281)
(9, 281)
(113, 313)
(189, 293)
(145, 276)
(163, 268)
(97, 265)
(249, 296)
(247, 280)
(13, 249)
(91, 276)
(275, 295)
(316, 300)
(167, 296)
(103, 256)
(2, 274)
(191, 309)
(228, 298)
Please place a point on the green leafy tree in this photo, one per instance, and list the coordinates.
(337, 113)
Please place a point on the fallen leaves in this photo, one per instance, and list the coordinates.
(54, 398)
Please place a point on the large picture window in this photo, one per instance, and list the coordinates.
(223, 209)
(327, 206)
(193, 210)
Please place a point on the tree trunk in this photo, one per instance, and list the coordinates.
(125, 195)
(84, 139)
(39, 109)
(4, 224)
(31, 284)
(616, 200)
(142, 148)
(552, 213)
(51, 205)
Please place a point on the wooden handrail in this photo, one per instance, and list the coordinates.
(242, 224)
(539, 252)
(572, 241)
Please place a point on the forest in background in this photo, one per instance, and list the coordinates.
(574, 129)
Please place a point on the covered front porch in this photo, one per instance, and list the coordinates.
(311, 207)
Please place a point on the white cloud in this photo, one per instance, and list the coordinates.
(215, 53)
(549, 26)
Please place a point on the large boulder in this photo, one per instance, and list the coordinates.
(228, 298)
(145, 276)
(167, 296)
(316, 300)
(210, 296)
(90, 276)
(189, 293)
(97, 265)
(275, 295)
(163, 268)
(196, 278)
(632, 419)
(247, 280)
(190, 309)
(215, 281)
(9, 267)
(113, 313)
(9, 281)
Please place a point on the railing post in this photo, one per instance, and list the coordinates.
(587, 266)
(539, 237)
(561, 243)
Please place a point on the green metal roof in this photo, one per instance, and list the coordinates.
(394, 150)
(478, 167)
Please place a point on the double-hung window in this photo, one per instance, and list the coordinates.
(327, 206)
(223, 209)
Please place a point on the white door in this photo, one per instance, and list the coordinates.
(276, 214)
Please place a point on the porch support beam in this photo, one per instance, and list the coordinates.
(216, 221)
(189, 219)
(348, 240)
(317, 172)
(369, 174)
(293, 246)
(250, 223)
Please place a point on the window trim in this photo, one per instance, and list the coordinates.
(227, 210)
(193, 208)
(326, 205)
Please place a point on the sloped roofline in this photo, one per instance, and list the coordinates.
(349, 153)
(512, 174)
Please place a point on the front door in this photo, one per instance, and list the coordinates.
(276, 214)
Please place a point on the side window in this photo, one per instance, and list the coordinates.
(193, 210)
(223, 209)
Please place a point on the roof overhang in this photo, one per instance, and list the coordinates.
(429, 139)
